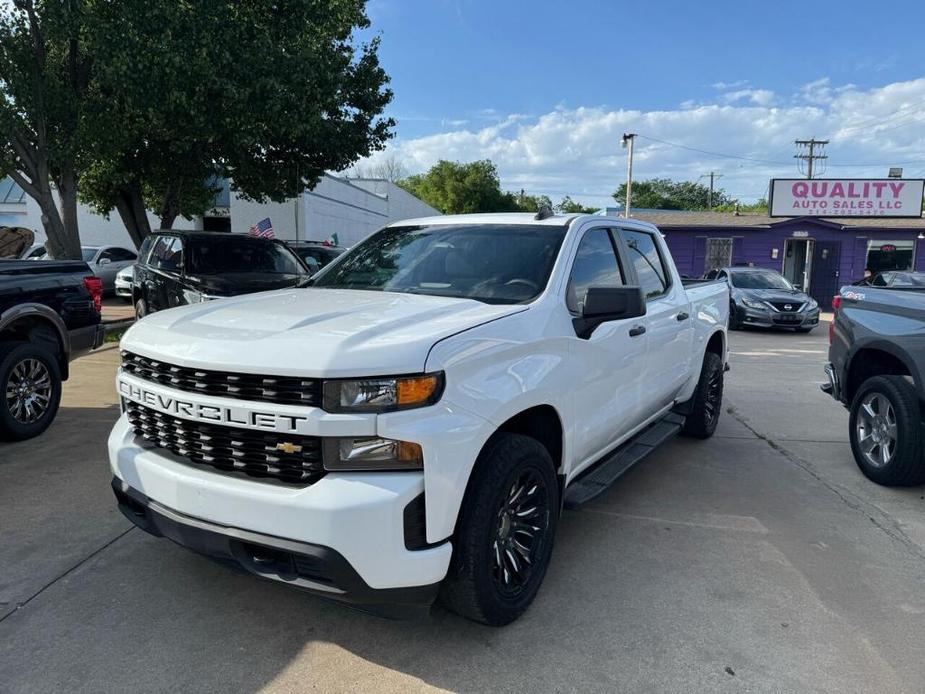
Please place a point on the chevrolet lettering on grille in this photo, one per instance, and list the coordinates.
(213, 414)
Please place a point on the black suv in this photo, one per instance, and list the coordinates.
(315, 254)
(176, 268)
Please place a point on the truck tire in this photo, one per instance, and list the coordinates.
(30, 390)
(141, 308)
(707, 403)
(505, 532)
(885, 429)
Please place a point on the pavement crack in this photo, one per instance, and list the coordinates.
(886, 525)
(65, 574)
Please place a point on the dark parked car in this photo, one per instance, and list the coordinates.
(186, 267)
(315, 254)
(763, 298)
(877, 370)
(49, 314)
(893, 278)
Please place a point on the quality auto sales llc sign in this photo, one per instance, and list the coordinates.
(846, 197)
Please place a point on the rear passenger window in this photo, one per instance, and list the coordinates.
(650, 266)
(167, 254)
(595, 266)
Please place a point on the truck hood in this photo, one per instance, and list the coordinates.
(317, 333)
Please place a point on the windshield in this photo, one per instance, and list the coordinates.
(244, 255)
(316, 256)
(87, 254)
(759, 280)
(499, 264)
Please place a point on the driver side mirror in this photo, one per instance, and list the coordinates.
(605, 304)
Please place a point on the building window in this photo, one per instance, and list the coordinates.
(883, 256)
(719, 254)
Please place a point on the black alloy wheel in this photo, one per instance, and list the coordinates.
(30, 389)
(522, 522)
(505, 532)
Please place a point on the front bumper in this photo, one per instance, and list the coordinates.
(358, 516)
(766, 318)
(315, 568)
(123, 290)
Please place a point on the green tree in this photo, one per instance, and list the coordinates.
(569, 206)
(268, 93)
(455, 188)
(521, 202)
(44, 78)
(665, 194)
(759, 207)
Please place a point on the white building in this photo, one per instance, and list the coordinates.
(352, 209)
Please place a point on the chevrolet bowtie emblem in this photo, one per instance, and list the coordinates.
(287, 447)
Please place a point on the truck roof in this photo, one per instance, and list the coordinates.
(516, 218)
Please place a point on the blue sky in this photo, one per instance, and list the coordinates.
(513, 81)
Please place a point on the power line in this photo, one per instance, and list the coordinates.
(715, 154)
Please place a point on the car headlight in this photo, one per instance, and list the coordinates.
(751, 303)
(812, 304)
(382, 394)
(371, 453)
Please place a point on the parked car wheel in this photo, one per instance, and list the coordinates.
(505, 533)
(735, 323)
(31, 380)
(885, 429)
(707, 403)
(141, 309)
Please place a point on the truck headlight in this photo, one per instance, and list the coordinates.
(751, 303)
(382, 394)
(371, 454)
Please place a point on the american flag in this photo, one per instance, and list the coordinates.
(262, 229)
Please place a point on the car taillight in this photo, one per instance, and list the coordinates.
(94, 285)
(836, 302)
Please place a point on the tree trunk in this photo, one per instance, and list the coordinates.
(131, 207)
(170, 207)
(67, 192)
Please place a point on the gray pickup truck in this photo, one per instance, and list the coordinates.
(876, 369)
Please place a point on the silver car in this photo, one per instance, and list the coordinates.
(124, 280)
(107, 261)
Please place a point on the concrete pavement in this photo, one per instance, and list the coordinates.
(760, 561)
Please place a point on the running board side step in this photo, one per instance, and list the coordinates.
(601, 476)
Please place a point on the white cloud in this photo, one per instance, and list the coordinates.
(762, 97)
(576, 151)
(724, 86)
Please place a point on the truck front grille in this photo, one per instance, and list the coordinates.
(282, 390)
(230, 449)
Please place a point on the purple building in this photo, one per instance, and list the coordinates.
(818, 254)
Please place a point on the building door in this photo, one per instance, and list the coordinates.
(798, 260)
(825, 281)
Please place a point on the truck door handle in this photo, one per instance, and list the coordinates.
(637, 331)
(682, 316)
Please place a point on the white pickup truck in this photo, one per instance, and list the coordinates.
(413, 423)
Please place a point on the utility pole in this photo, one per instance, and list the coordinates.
(711, 176)
(806, 158)
(627, 143)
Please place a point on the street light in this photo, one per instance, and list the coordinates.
(627, 143)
